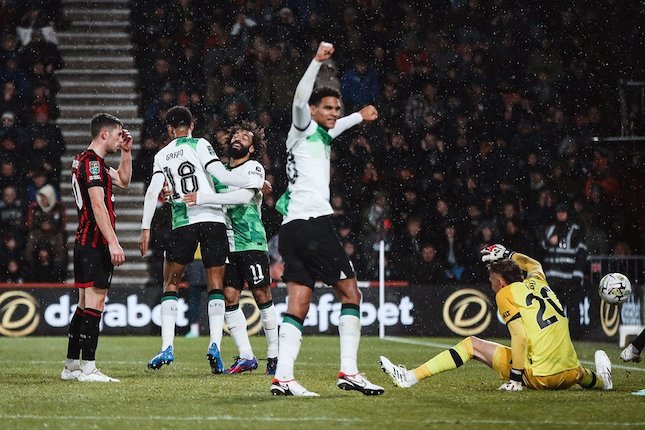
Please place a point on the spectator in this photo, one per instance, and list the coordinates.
(277, 83)
(43, 156)
(452, 250)
(360, 85)
(12, 106)
(14, 272)
(37, 181)
(47, 203)
(44, 234)
(43, 268)
(406, 246)
(425, 109)
(10, 175)
(8, 128)
(41, 126)
(565, 254)
(41, 103)
(11, 249)
(36, 20)
(12, 212)
(12, 151)
(428, 268)
(39, 50)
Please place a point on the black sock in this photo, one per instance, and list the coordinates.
(90, 333)
(73, 346)
(639, 342)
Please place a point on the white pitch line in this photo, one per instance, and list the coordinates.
(419, 342)
(248, 418)
(446, 346)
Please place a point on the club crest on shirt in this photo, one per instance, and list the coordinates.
(95, 168)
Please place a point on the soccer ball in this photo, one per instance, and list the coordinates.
(615, 288)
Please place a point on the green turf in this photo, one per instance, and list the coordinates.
(186, 396)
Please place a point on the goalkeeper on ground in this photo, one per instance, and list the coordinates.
(541, 355)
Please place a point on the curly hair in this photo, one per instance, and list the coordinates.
(258, 142)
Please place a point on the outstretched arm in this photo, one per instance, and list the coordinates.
(367, 114)
(237, 197)
(300, 108)
(217, 169)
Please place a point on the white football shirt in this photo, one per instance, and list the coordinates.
(183, 163)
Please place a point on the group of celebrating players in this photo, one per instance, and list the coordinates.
(217, 207)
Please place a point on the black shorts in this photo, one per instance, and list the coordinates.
(251, 267)
(211, 236)
(311, 250)
(92, 266)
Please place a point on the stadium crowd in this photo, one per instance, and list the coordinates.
(32, 218)
(487, 110)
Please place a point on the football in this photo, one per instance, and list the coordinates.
(615, 288)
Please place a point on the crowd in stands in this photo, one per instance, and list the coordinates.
(32, 218)
(487, 114)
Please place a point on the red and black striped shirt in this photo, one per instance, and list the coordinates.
(89, 170)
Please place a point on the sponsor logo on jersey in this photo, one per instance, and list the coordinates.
(211, 151)
(95, 168)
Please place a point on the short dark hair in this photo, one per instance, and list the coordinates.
(103, 120)
(258, 142)
(320, 93)
(507, 269)
(178, 116)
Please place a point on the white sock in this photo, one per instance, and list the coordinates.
(216, 318)
(236, 322)
(168, 321)
(289, 347)
(349, 329)
(88, 366)
(72, 364)
(270, 325)
(411, 377)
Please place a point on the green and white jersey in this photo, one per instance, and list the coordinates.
(308, 155)
(183, 163)
(244, 226)
(308, 170)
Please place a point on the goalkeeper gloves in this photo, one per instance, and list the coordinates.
(511, 386)
(494, 253)
(515, 381)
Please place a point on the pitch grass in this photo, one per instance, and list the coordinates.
(186, 396)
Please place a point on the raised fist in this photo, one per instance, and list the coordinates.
(325, 50)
